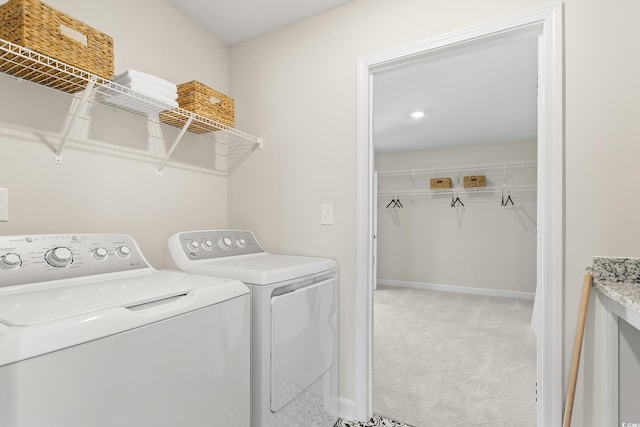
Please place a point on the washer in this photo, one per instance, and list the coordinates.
(294, 326)
(91, 335)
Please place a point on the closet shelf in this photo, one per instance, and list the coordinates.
(502, 179)
(462, 190)
(494, 169)
(497, 174)
(23, 63)
(399, 199)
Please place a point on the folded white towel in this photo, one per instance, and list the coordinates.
(127, 102)
(148, 88)
(150, 94)
(140, 76)
(124, 102)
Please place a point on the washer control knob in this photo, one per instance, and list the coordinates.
(99, 254)
(207, 245)
(193, 245)
(224, 243)
(241, 243)
(10, 261)
(123, 251)
(59, 257)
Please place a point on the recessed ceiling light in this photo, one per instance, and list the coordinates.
(417, 114)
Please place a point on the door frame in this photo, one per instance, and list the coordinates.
(550, 257)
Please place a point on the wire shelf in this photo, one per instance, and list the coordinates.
(496, 174)
(463, 190)
(233, 145)
(517, 177)
(395, 199)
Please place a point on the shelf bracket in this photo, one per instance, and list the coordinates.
(67, 132)
(175, 144)
(507, 177)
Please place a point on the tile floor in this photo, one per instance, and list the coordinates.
(376, 420)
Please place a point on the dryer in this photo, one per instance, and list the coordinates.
(91, 335)
(294, 323)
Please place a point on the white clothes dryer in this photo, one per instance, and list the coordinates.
(294, 323)
(91, 335)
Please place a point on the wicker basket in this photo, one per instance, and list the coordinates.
(204, 101)
(475, 181)
(440, 183)
(40, 27)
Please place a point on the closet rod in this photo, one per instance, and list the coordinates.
(467, 191)
(416, 201)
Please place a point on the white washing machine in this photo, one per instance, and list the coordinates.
(91, 335)
(294, 324)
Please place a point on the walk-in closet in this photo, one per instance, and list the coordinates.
(455, 233)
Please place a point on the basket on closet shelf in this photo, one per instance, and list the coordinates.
(204, 101)
(39, 27)
(475, 181)
(437, 183)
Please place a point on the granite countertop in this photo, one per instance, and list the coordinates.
(619, 279)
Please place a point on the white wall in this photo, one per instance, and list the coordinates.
(601, 149)
(108, 182)
(481, 245)
(297, 88)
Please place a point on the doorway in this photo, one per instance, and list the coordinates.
(549, 194)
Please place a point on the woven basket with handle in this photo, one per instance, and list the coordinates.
(204, 101)
(44, 29)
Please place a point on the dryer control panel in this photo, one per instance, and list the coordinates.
(207, 244)
(40, 258)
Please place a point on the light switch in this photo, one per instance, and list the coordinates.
(4, 205)
(326, 213)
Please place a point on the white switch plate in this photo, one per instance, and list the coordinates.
(4, 205)
(326, 213)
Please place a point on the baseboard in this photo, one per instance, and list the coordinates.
(458, 289)
(347, 409)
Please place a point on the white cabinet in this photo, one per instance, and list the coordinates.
(621, 362)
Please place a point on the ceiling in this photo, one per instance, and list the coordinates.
(486, 93)
(234, 21)
(482, 94)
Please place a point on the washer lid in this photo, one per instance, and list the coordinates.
(62, 314)
(262, 268)
(63, 299)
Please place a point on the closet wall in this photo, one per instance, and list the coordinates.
(480, 245)
(108, 180)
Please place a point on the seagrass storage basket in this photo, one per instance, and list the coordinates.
(41, 28)
(437, 183)
(204, 101)
(475, 181)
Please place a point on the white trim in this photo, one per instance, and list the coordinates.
(458, 289)
(363, 410)
(550, 343)
(347, 409)
(550, 200)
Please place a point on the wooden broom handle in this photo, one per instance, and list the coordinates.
(577, 349)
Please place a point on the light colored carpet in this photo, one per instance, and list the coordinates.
(448, 359)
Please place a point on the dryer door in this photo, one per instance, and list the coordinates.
(303, 339)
